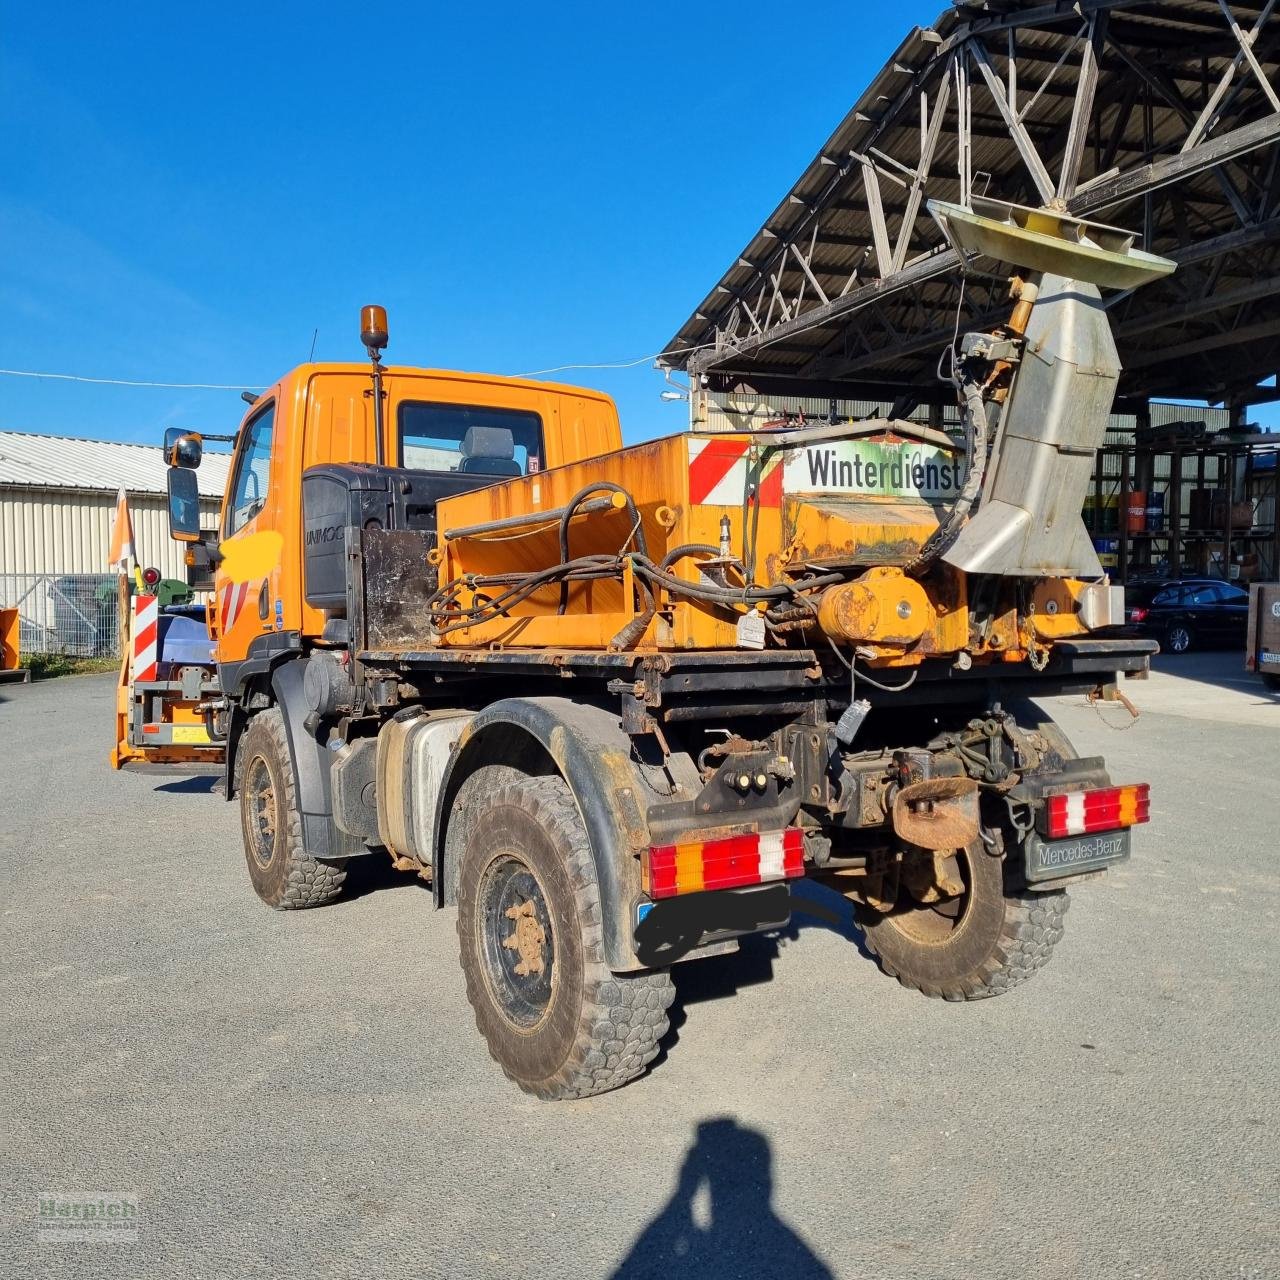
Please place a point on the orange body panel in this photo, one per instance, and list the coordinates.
(8, 640)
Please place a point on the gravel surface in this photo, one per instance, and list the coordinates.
(305, 1094)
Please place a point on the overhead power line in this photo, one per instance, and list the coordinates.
(127, 382)
(245, 386)
(616, 364)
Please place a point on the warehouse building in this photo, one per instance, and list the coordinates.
(57, 500)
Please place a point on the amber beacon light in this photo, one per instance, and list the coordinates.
(373, 329)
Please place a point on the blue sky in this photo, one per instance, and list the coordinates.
(190, 191)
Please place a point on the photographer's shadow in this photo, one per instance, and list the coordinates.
(720, 1220)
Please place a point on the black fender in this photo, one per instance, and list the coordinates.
(240, 680)
(589, 749)
(310, 760)
(312, 764)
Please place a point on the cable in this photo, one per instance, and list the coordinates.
(948, 352)
(125, 382)
(245, 386)
(887, 688)
(617, 364)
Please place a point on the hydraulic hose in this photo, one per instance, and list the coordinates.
(976, 432)
(715, 573)
(598, 486)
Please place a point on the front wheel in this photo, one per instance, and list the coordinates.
(977, 943)
(556, 1020)
(284, 875)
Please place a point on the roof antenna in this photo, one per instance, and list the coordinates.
(315, 333)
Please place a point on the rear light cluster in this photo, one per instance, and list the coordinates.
(1138, 614)
(669, 869)
(1080, 812)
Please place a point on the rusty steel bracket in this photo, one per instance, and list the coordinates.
(937, 813)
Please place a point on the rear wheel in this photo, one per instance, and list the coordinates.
(980, 942)
(556, 1020)
(984, 940)
(284, 875)
(1177, 638)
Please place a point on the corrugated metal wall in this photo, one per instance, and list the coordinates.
(69, 531)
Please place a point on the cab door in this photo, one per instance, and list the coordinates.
(250, 540)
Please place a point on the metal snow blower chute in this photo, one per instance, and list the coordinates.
(1050, 372)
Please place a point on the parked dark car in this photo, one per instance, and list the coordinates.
(1188, 613)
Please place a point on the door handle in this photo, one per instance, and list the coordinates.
(264, 601)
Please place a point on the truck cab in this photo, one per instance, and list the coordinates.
(320, 414)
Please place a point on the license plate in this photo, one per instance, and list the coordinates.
(669, 929)
(1048, 859)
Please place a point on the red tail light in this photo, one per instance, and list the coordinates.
(669, 869)
(1078, 813)
(1137, 615)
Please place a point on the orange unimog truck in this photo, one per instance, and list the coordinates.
(611, 702)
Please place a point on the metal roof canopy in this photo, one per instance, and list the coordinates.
(1158, 115)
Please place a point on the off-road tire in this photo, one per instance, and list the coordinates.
(597, 1030)
(1007, 934)
(284, 875)
(1001, 940)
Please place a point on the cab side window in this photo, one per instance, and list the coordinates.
(253, 472)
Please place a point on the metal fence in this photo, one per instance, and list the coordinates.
(68, 613)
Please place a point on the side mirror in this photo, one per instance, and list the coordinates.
(184, 505)
(182, 448)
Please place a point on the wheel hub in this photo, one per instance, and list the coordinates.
(518, 940)
(267, 812)
(262, 812)
(934, 898)
(526, 938)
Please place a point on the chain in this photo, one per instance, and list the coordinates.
(1094, 699)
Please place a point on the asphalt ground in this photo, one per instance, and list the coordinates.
(306, 1094)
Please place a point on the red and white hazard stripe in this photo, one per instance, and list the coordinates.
(718, 473)
(146, 636)
(234, 595)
